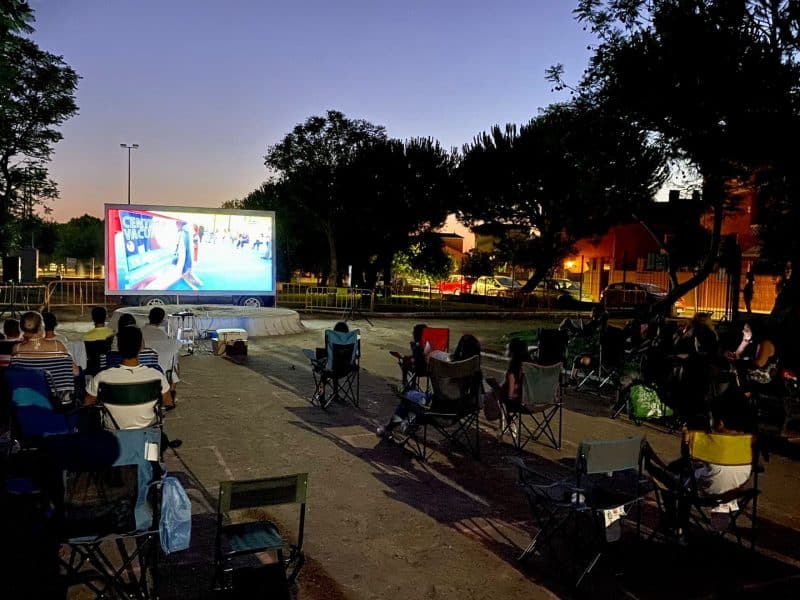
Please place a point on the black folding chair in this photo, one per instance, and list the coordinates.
(337, 371)
(606, 366)
(107, 497)
(588, 507)
(452, 409)
(241, 534)
(682, 500)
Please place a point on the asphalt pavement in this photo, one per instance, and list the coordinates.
(382, 524)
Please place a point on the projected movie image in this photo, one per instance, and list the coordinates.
(188, 250)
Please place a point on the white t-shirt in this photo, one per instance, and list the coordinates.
(130, 417)
(717, 479)
(153, 333)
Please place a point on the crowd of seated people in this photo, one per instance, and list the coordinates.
(130, 361)
(467, 347)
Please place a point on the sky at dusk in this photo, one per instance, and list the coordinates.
(205, 87)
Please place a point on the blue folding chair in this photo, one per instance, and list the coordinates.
(35, 412)
(337, 372)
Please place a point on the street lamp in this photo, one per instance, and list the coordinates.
(129, 147)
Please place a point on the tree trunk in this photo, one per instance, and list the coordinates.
(715, 193)
(333, 276)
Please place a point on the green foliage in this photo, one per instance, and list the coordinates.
(309, 163)
(335, 178)
(477, 263)
(81, 238)
(569, 173)
(715, 82)
(426, 257)
(37, 91)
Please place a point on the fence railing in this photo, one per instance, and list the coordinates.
(16, 297)
(336, 298)
(711, 296)
(79, 293)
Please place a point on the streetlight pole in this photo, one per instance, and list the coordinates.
(129, 147)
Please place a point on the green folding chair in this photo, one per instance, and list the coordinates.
(117, 398)
(241, 534)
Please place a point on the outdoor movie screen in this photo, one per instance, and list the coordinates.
(188, 250)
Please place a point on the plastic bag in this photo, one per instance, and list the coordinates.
(175, 527)
(645, 403)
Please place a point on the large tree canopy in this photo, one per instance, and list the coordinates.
(36, 96)
(412, 182)
(715, 82)
(309, 162)
(567, 174)
(336, 179)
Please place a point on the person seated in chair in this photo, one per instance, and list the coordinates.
(50, 323)
(34, 341)
(131, 371)
(153, 331)
(597, 323)
(467, 347)
(730, 414)
(11, 330)
(100, 331)
(408, 361)
(510, 391)
(321, 354)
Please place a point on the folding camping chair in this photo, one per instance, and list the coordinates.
(36, 411)
(106, 493)
(587, 507)
(118, 400)
(414, 367)
(452, 408)
(60, 366)
(541, 402)
(681, 499)
(336, 371)
(607, 364)
(242, 538)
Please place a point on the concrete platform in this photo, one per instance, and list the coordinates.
(256, 321)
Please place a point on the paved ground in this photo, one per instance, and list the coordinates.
(381, 524)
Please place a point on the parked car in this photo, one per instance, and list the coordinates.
(455, 285)
(561, 292)
(499, 285)
(632, 295)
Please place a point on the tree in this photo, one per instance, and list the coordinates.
(714, 82)
(36, 96)
(309, 161)
(81, 238)
(413, 181)
(569, 173)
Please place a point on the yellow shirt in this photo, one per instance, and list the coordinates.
(98, 333)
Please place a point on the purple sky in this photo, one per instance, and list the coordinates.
(206, 86)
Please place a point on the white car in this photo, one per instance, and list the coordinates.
(498, 285)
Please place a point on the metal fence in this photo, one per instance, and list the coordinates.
(336, 298)
(77, 293)
(711, 296)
